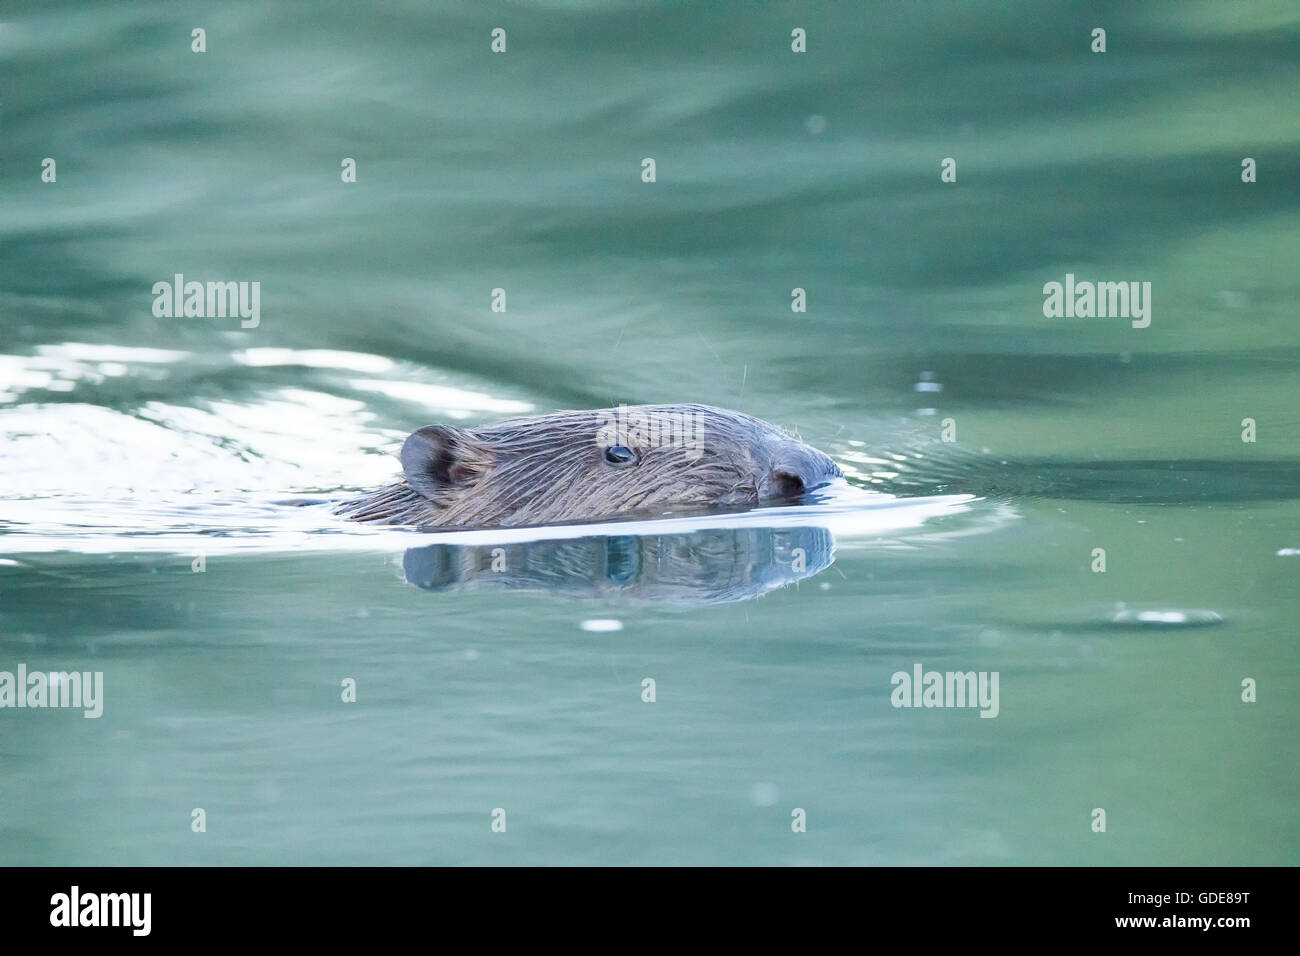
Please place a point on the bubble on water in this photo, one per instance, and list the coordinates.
(763, 794)
(600, 625)
(1166, 617)
(471, 654)
(815, 124)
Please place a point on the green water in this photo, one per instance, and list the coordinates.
(132, 446)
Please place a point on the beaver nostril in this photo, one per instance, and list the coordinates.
(784, 484)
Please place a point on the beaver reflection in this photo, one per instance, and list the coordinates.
(714, 566)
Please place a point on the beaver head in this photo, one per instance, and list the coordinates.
(592, 465)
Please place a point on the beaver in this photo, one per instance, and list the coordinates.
(599, 464)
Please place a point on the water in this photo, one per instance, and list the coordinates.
(137, 448)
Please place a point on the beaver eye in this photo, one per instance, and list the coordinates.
(619, 455)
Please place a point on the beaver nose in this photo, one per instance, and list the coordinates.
(781, 483)
(794, 470)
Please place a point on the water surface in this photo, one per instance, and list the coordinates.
(135, 449)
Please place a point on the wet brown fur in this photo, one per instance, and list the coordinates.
(551, 469)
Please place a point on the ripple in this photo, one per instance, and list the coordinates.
(315, 358)
(1166, 618)
(601, 625)
(455, 402)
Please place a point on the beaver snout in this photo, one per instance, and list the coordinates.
(795, 471)
(781, 484)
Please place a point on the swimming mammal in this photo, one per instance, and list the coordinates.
(592, 465)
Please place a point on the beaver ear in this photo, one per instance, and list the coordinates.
(439, 457)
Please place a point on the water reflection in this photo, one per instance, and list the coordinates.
(711, 566)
